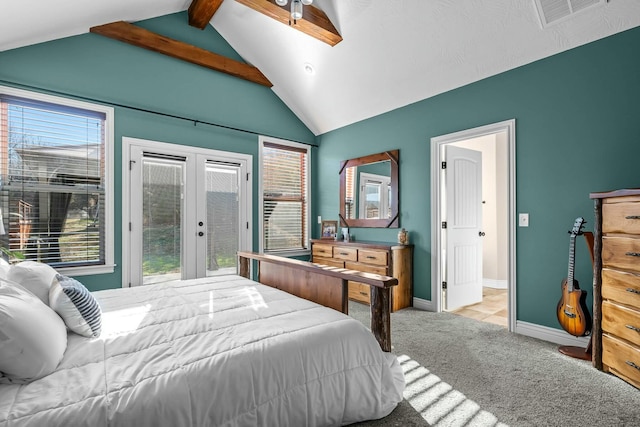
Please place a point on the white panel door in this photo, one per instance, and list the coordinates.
(463, 234)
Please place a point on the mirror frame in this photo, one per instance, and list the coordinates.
(394, 221)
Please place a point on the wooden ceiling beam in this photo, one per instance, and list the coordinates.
(201, 12)
(314, 22)
(129, 33)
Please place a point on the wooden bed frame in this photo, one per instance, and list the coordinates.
(324, 285)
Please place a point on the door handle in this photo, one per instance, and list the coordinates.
(481, 233)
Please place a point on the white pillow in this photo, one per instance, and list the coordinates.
(34, 276)
(76, 305)
(33, 338)
(4, 268)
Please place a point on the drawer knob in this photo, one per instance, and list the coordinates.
(370, 257)
(633, 365)
(633, 328)
(632, 253)
(364, 293)
(632, 217)
(344, 253)
(633, 291)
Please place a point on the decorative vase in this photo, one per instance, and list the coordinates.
(403, 237)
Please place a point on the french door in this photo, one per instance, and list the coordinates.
(188, 213)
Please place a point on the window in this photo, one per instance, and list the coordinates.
(55, 195)
(375, 193)
(349, 192)
(284, 193)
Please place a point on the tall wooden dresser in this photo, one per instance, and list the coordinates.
(371, 257)
(616, 284)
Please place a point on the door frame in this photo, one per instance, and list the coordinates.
(508, 126)
(246, 161)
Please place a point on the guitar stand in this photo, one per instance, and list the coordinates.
(577, 352)
(572, 350)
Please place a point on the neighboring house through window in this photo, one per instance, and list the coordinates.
(55, 181)
(284, 192)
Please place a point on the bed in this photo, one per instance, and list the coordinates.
(218, 351)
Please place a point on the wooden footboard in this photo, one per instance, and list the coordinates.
(324, 285)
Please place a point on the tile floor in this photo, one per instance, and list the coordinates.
(492, 309)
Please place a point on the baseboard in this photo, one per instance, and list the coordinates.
(423, 304)
(545, 333)
(495, 284)
(553, 335)
(557, 336)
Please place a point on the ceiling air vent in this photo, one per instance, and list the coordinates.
(554, 11)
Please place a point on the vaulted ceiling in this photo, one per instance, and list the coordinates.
(392, 52)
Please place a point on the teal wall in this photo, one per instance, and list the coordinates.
(577, 131)
(91, 66)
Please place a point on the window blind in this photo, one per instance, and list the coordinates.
(349, 192)
(52, 189)
(284, 177)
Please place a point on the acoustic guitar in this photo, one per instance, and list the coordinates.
(572, 310)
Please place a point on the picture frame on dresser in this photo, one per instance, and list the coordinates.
(329, 229)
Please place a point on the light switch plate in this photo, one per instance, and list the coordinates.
(523, 220)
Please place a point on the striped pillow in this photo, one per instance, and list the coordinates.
(76, 305)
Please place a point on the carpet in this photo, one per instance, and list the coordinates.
(463, 372)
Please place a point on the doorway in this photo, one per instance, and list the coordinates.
(188, 211)
(496, 143)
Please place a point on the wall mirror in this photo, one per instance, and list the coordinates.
(369, 191)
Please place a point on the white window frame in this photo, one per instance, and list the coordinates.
(267, 139)
(385, 184)
(108, 212)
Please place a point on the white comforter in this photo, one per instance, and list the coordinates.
(222, 351)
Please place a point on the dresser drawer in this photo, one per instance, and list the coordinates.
(359, 292)
(347, 254)
(621, 287)
(328, 261)
(621, 218)
(371, 256)
(320, 250)
(375, 269)
(621, 321)
(621, 252)
(621, 359)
